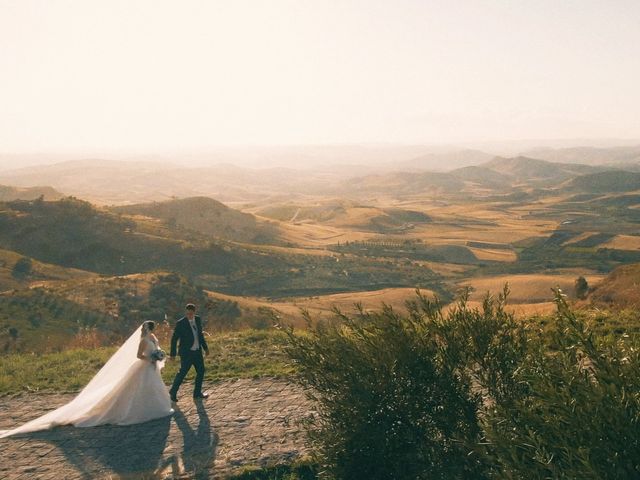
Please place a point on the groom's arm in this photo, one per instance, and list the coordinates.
(203, 342)
(174, 341)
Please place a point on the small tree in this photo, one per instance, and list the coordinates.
(22, 268)
(581, 287)
(13, 333)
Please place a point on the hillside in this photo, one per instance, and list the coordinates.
(524, 169)
(72, 233)
(347, 215)
(483, 177)
(8, 193)
(497, 175)
(207, 216)
(621, 288)
(403, 183)
(449, 160)
(605, 182)
(590, 155)
(127, 182)
(17, 271)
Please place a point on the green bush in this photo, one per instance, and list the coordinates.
(581, 287)
(469, 393)
(579, 416)
(22, 268)
(394, 396)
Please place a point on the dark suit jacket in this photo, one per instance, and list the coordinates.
(182, 337)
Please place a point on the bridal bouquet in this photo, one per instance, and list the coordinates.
(158, 354)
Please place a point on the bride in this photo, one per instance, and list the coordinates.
(128, 389)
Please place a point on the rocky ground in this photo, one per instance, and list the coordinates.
(243, 423)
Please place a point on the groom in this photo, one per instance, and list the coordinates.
(188, 333)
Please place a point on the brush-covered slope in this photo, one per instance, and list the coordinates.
(73, 233)
(621, 288)
(606, 182)
(531, 170)
(9, 193)
(208, 216)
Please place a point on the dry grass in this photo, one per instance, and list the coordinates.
(527, 289)
(523, 310)
(315, 235)
(623, 242)
(41, 273)
(621, 288)
(494, 255)
(579, 238)
(92, 292)
(290, 311)
(452, 224)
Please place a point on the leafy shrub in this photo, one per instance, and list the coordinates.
(579, 416)
(394, 395)
(224, 313)
(22, 268)
(470, 394)
(581, 287)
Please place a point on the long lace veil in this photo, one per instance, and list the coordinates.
(100, 385)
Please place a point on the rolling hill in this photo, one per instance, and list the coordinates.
(446, 160)
(35, 272)
(346, 214)
(590, 155)
(8, 193)
(498, 175)
(606, 182)
(210, 217)
(73, 233)
(621, 288)
(403, 183)
(110, 182)
(483, 177)
(531, 170)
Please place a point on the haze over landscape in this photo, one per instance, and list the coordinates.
(347, 147)
(151, 76)
(265, 158)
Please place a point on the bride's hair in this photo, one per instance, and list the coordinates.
(148, 326)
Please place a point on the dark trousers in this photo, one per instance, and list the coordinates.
(187, 360)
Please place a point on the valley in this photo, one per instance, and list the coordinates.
(255, 247)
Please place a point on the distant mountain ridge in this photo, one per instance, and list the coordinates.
(446, 161)
(458, 172)
(531, 169)
(589, 155)
(499, 174)
(122, 182)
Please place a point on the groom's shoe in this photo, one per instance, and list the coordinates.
(201, 395)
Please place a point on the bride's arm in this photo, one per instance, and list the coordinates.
(141, 355)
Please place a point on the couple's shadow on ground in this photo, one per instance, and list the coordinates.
(140, 451)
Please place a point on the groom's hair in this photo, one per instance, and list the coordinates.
(190, 306)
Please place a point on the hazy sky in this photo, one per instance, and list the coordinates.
(156, 74)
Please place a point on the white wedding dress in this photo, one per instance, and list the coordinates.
(125, 391)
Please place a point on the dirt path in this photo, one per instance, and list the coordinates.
(243, 423)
